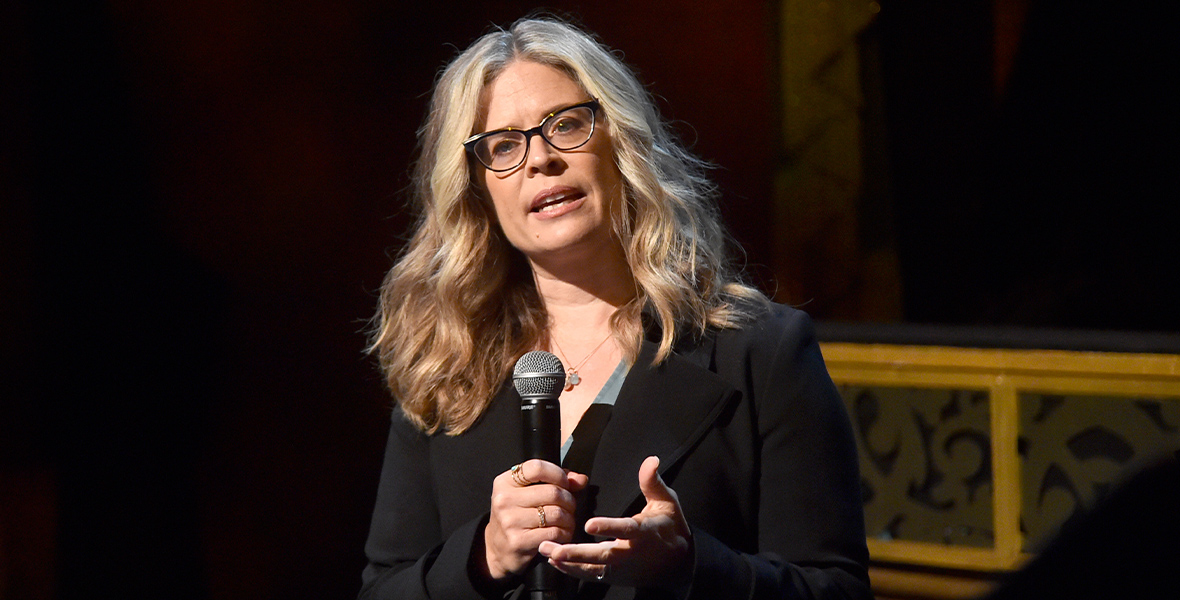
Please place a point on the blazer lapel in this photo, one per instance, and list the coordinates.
(661, 411)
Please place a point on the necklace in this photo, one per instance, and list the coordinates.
(571, 373)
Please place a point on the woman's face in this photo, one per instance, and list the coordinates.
(557, 204)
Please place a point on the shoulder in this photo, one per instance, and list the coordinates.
(773, 354)
(768, 327)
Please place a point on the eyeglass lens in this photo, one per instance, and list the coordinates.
(565, 130)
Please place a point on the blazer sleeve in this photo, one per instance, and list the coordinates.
(811, 541)
(408, 557)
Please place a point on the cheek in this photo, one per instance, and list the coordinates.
(607, 168)
(610, 178)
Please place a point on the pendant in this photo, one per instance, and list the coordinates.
(571, 379)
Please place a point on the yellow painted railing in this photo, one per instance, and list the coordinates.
(1006, 376)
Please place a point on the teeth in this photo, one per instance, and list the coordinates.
(555, 201)
(553, 205)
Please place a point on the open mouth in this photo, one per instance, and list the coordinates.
(556, 201)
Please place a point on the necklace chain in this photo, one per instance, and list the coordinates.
(571, 373)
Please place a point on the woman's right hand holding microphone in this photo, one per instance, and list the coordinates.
(531, 503)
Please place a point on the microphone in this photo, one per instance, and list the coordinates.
(539, 378)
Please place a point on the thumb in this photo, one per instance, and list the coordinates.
(651, 484)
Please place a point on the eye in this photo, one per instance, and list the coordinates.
(499, 146)
(565, 124)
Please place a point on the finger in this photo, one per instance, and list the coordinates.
(576, 481)
(559, 522)
(587, 571)
(651, 484)
(526, 529)
(596, 553)
(527, 526)
(542, 494)
(534, 471)
(509, 498)
(622, 527)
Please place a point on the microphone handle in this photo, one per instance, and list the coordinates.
(542, 429)
(541, 418)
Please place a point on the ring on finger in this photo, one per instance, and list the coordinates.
(518, 476)
(541, 517)
(602, 575)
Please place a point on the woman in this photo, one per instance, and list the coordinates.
(707, 454)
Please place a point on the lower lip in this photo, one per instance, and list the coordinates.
(562, 209)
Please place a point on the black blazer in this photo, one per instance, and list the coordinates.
(750, 432)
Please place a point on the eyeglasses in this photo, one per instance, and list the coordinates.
(506, 149)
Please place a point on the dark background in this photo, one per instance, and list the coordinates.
(199, 202)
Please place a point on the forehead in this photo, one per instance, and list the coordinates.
(525, 92)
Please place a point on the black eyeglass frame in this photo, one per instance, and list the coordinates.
(471, 142)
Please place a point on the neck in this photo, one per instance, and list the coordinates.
(586, 293)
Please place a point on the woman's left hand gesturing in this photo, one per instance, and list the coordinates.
(650, 549)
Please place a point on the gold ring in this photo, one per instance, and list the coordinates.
(519, 477)
(541, 517)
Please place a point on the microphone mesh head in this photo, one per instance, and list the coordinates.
(538, 373)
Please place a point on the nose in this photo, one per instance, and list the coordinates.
(542, 157)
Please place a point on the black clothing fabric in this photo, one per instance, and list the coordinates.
(750, 432)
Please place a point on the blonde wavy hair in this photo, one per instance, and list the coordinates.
(460, 305)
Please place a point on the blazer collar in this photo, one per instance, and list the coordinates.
(661, 411)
